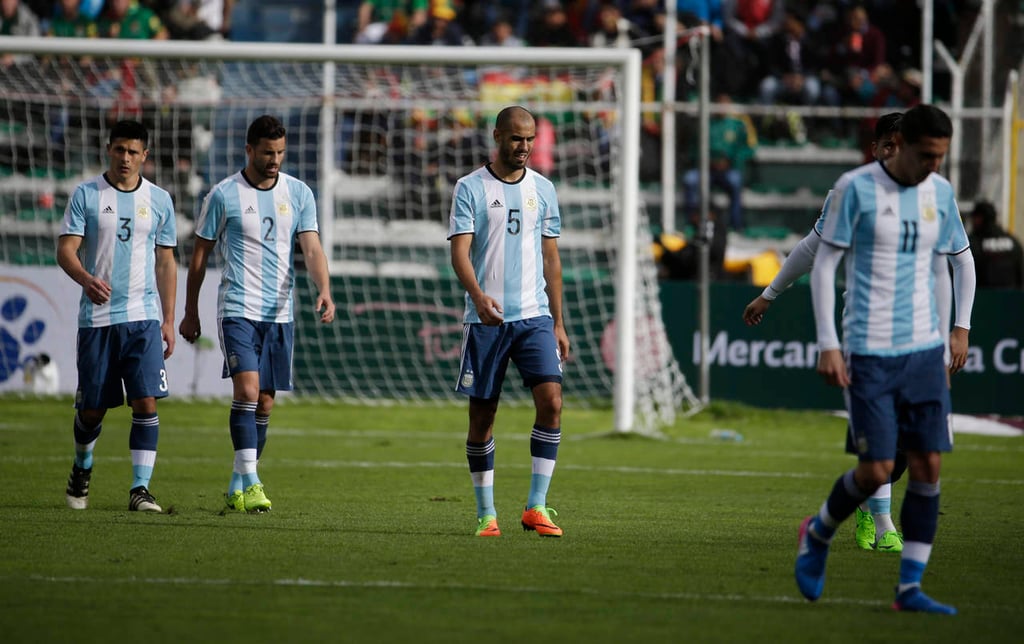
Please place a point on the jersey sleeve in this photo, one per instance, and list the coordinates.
(462, 220)
(819, 224)
(840, 214)
(952, 235)
(307, 209)
(74, 214)
(167, 233)
(211, 215)
(551, 219)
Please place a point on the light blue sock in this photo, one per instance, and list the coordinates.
(481, 470)
(544, 452)
(142, 442)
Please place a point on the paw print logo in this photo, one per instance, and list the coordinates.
(15, 334)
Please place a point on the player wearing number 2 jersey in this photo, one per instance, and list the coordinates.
(117, 241)
(254, 218)
(503, 229)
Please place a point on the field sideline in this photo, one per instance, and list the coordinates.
(683, 538)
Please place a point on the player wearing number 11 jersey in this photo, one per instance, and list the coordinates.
(503, 228)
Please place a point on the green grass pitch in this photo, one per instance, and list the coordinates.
(680, 539)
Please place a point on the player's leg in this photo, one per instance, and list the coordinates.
(870, 403)
(535, 353)
(483, 362)
(864, 532)
(925, 437)
(241, 342)
(99, 387)
(145, 380)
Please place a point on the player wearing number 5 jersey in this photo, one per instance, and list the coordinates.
(503, 228)
(254, 219)
(117, 241)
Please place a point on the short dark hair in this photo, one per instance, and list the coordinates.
(985, 210)
(887, 125)
(925, 120)
(129, 130)
(264, 127)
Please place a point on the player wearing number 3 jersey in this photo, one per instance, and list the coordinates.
(117, 241)
(503, 230)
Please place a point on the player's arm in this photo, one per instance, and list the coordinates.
(963, 299)
(96, 289)
(316, 264)
(797, 264)
(190, 327)
(831, 365)
(553, 280)
(487, 307)
(167, 287)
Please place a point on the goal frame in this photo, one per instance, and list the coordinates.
(626, 61)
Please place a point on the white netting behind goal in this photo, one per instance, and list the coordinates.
(401, 136)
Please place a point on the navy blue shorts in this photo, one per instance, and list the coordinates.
(486, 350)
(899, 401)
(119, 360)
(265, 347)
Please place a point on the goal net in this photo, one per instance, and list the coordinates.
(381, 143)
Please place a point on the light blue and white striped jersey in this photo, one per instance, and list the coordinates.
(120, 232)
(255, 231)
(508, 221)
(891, 233)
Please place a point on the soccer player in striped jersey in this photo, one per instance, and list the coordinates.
(253, 218)
(504, 228)
(117, 241)
(889, 219)
(875, 529)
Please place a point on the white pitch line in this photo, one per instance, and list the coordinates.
(408, 465)
(301, 582)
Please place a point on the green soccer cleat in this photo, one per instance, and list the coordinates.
(488, 527)
(891, 541)
(235, 502)
(255, 499)
(865, 534)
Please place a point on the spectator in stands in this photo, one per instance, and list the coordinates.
(857, 53)
(792, 75)
(732, 143)
(749, 27)
(440, 28)
(69, 21)
(998, 258)
(389, 21)
(16, 19)
(479, 18)
(197, 19)
(551, 27)
(614, 30)
(129, 19)
(647, 15)
(501, 34)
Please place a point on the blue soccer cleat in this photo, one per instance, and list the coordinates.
(914, 600)
(810, 563)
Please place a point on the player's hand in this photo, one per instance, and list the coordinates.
(832, 368)
(167, 331)
(754, 312)
(98, 291)
(562, 341)
(190, 328)
(325, 307)
(489, 310)
(958, 345)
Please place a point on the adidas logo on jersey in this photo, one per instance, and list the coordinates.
(108, 211)
(250, 211)
(496, 204)
(888, 212)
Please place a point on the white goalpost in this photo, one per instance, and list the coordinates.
(380, 133)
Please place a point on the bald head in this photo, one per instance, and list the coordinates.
(514, 132)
